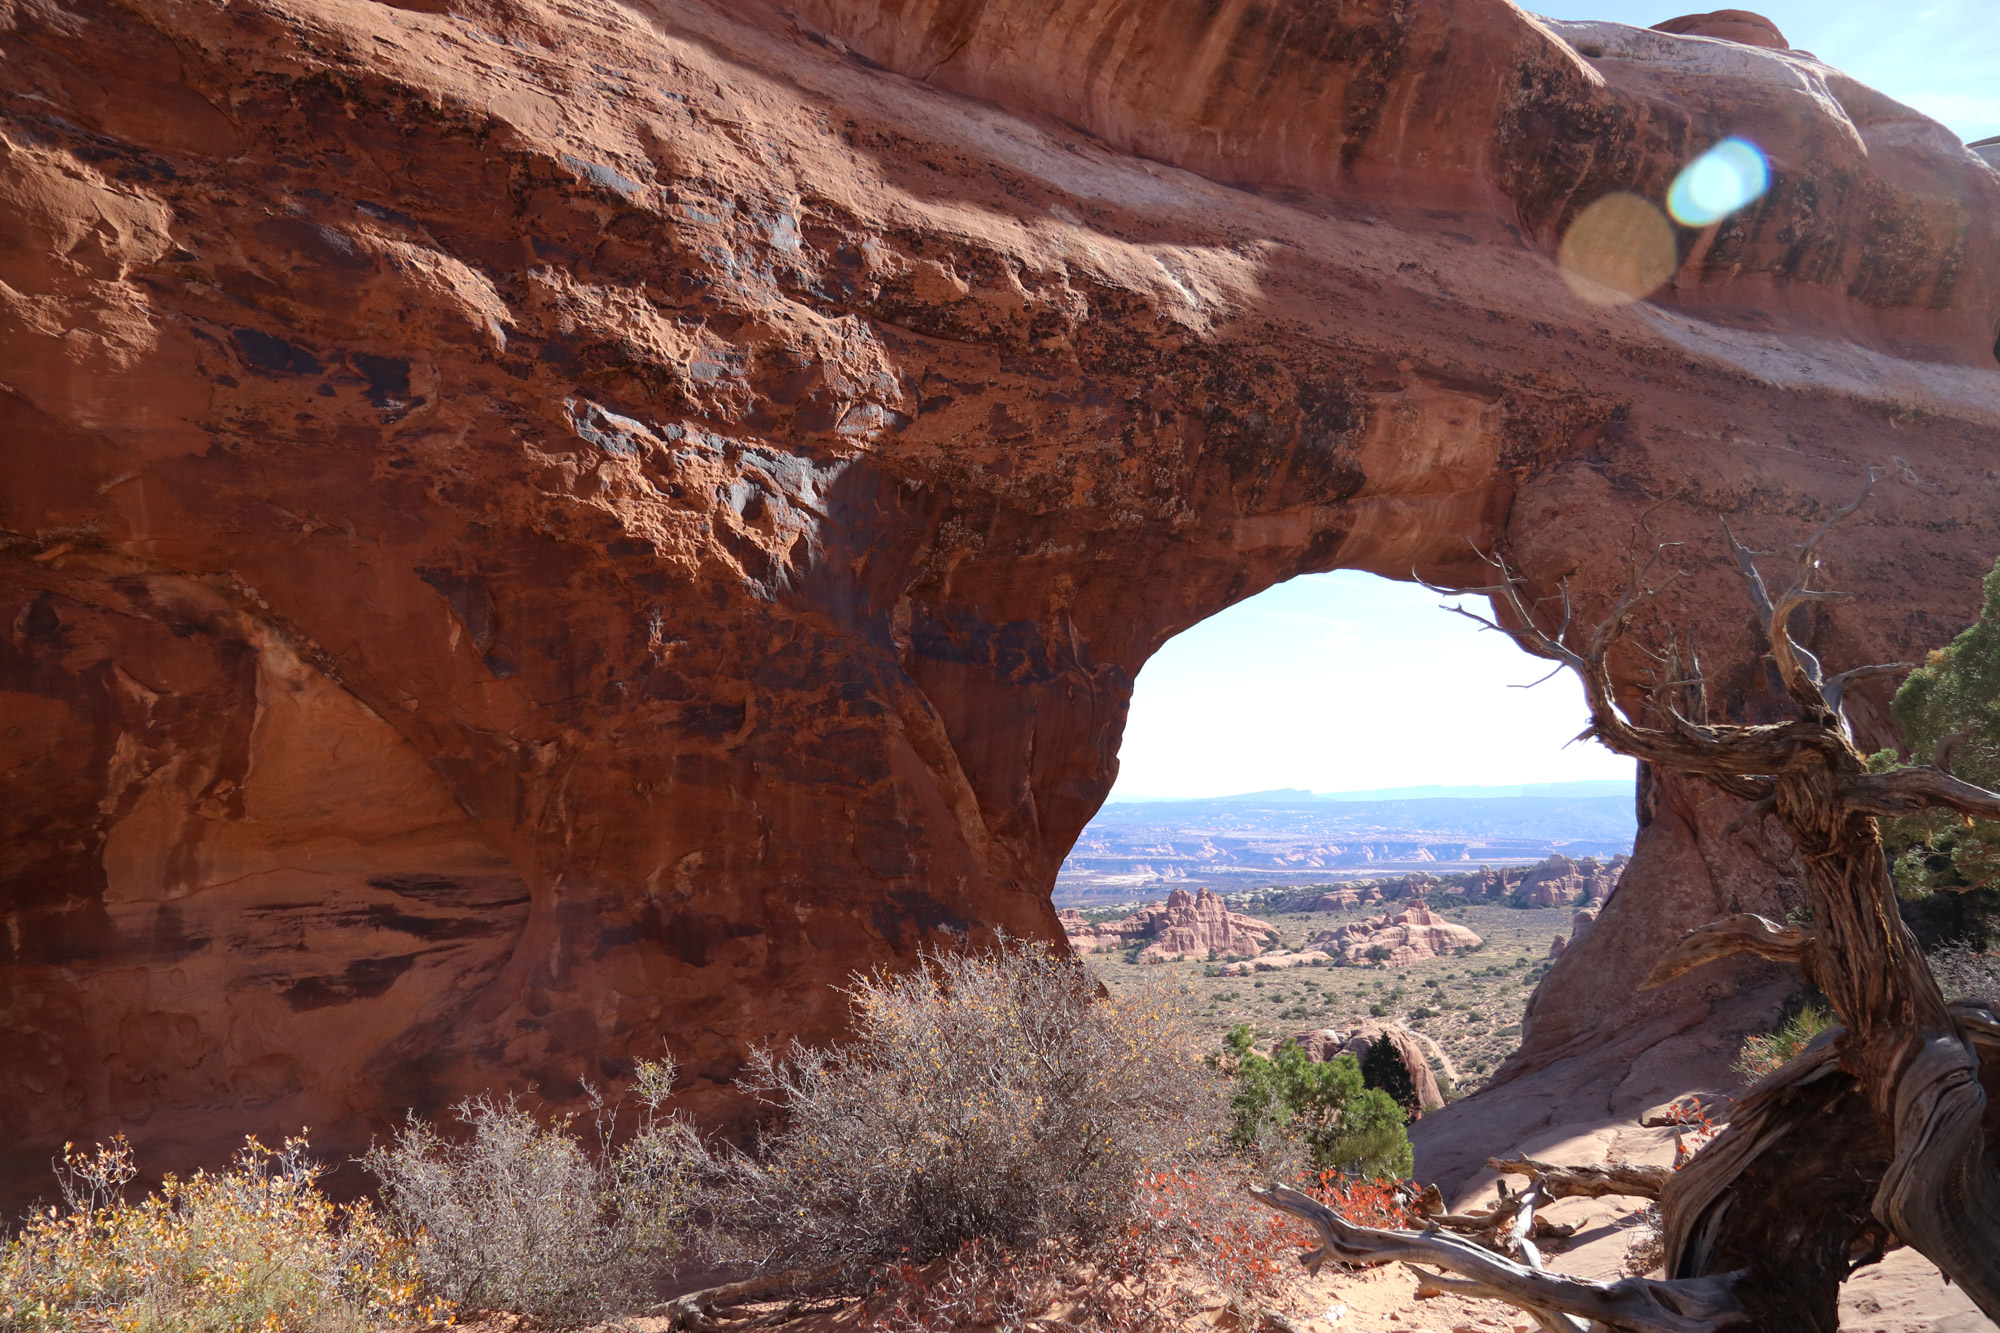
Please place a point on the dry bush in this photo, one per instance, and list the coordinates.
(1195, 1243)
(256, 1247)
(998, 1099)
(1646, 1252)
(524, 1215)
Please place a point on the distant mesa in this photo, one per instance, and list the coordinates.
(1135, 849)
(1555, 881)
(1187, 926)
(1408, 936)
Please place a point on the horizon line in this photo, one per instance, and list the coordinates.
(1425, 791)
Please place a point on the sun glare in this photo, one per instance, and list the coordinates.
(1729, 176)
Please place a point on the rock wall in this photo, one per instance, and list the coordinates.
(536, 531)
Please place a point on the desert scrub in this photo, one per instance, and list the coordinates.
(997, 1098)
(524, 1215)
(1287, 1104)
(257, 1247)
(1772, 1052)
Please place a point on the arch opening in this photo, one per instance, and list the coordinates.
(1338, 805)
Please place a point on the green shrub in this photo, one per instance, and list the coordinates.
(1288, 1103)
(257, 1247)
(1956, 691)
(1770, 1053)
(523, 1215)
(1382, 1068)
(999, 1098)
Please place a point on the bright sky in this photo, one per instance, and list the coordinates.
(1940, 56)
(1343, 682)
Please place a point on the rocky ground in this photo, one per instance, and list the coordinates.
(1470, 1005)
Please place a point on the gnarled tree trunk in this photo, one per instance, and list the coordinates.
(1882, 1132)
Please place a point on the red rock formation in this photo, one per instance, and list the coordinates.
(1551, 883)
(1406, 937)
(1560, 881)
(1734, 25)
(1187, 925)
(528, 533)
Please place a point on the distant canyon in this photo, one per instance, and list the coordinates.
(1290, 837)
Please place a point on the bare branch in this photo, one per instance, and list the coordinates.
(1640, 1305)
(1910, 791)
(1543, 681)
(1797, 666)
(1835, 519)
(1587, 1182)
(1745, 932)
(1946, 747)
(1746, 564)
(695, 1311)
(1835, 688)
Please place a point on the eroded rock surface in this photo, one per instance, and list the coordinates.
(1555, 882)
(535, 532)
(1398, 938)
(1196, 925)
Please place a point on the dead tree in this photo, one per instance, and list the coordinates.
(1877, 1135)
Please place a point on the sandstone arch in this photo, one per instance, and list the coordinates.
(531, 526)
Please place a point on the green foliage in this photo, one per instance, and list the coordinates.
(1956, 690)
(1768, 1054)
(1382, 1067)
(1325, 1109)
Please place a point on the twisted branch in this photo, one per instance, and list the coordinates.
(1745, 932)
(1587, 1182)
(1562, 1304)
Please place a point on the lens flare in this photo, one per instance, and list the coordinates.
(1720, 181)
(1619, 250)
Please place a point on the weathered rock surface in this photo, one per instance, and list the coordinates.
(1553, 883)
(1187, 925)
(533, 532)
(1400, 938)
(1730, 25)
